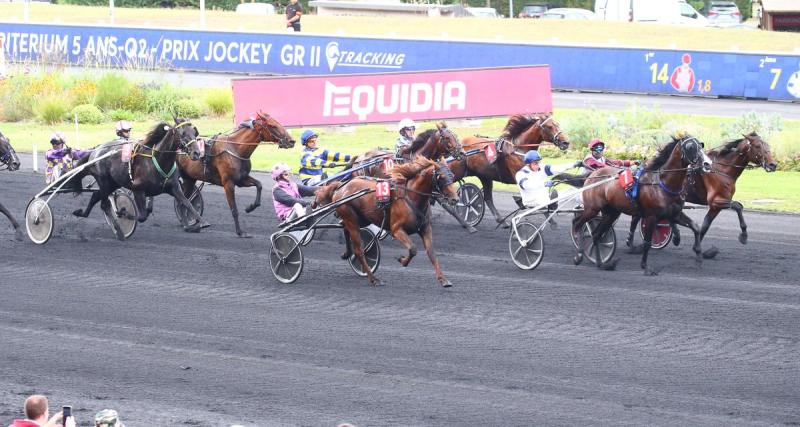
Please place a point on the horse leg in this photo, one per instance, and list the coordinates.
(712, 213)
(401, 236)
(230, 194)
(606, 224)
(14, 223)
(357, 246)
(685, 221)
(249, 181)
(187, 186)
(149, 206)
(458, 218)
(648, 239)
(97, 196)
(487, 198)
(141, 201)
(348, 248)
(737, 207)
(676, 234)
(577, 225)
(427, 242)
(176, 191)
(105, 205)
(631, 233)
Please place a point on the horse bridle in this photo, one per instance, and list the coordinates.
(539, 122)
(262, 121)
(456, 151)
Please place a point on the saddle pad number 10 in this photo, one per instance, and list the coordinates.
(388, 164)
(491, 153)
(383, 191)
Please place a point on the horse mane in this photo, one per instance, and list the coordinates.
(421, 139)
(730, 146)
(517, 124)
(157, 134)
(663, 155)
(404, 172)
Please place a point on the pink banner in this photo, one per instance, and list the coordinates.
(374, 98)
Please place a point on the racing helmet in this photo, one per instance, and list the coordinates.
(278, 170)
(405, 123)
(597, 145)
(532, 156)
(307, 134)
(123, 126)
(57, 138)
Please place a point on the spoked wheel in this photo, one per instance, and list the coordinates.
(372, 253)
(196, 199)
(39, 221)
(285, 258)
(608, 242)
(470, 206)
(529, 253)
(662, 233)
(123, 206)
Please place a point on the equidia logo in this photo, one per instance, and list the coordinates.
(365, 100)
(349, 58)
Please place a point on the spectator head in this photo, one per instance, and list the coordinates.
(36, 409)
(107, 418)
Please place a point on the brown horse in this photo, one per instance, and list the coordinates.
(716, 189)
(408, 211)
(521, 134)
(661, 193)
(227, 161)
(9, 160)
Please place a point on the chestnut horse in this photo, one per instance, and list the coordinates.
(716, 189)
(408, 212)
(661, 193)
(9, 160)
(521, 134)
(227, 161)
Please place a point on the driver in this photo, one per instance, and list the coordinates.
(406, 127)
(595, 160)
(60, 157)
(314, 159)
(124, 130)
(287, 196)
(532, 179)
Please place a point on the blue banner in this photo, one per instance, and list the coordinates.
(660, 71)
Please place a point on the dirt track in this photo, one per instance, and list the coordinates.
(172, 328)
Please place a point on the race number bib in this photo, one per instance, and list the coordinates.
(625, 179)
(383, 191)
(388, 164)
(491, 153)
(127, 149)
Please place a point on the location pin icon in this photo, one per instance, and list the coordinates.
(332, 54)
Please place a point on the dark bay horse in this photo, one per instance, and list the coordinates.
(661, 193)
(716, 188)
(521, 134)
(227, 161)
(409, 210)
(151, 171)
(9, 160)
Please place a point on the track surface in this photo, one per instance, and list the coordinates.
(173, 328)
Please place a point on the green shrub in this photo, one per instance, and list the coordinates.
(83, 92)
(88, 114)
(161, 100)
(117, 115)
(188, 108)
(219, 101)
(52, 109)
(112, 90)
(135, 100)
(766, 125)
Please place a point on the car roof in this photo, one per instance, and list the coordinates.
(722, 3)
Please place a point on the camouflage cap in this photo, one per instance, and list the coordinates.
(107, 418)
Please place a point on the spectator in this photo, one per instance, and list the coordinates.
(287, 196)
(314, 159)
(37, 413)
(107, 418)
(293, 12)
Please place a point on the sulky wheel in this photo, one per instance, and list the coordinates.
(372, 253)
(39, 221)
(662, 233)
(470, 206)
(123, 205)
(608, 242)
(285, 258)
(196, 199)
(528, 254)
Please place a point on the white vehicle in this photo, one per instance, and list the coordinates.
(659, 11)
(255, 9)
(569, 13)
(483, 12)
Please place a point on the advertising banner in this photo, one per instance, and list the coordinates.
(390, 97)
(658, 71)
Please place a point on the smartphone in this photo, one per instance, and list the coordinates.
(67, 412)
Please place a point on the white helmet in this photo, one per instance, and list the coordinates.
(123, 125)
(405, 123)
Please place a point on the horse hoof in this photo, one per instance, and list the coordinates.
(506, 225)
(553, 224)
(191, 229)
(204, 224)
(578, 259)
(743, 238)
(610, 266)
(711, 252)
(244, 235)
(78, 213)
(376, 282)
(344, 255)
(18, 235)
(250, 208)
(676, 239)
(648, 272)
(446, 283)
(472, 230)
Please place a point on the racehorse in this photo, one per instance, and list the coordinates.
(716, 189)
(408, 210)
(521, 134)
(661, 193)
(227, 161)
(149, 172)
(9, 160)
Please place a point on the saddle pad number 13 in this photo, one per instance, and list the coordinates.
(388, 164)
(491, 153)
(383, 191)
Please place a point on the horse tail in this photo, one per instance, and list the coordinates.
(324, 194)
(575, 180)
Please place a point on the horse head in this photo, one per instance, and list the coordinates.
(449, 142)
(8, 156)
(757, 152)
(692, 153)
(529, 131)
(187, 136)
(444, 182)
(551, 132)
(270, 130)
